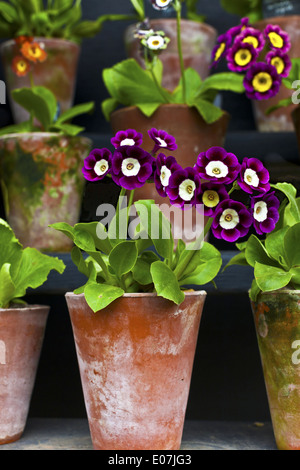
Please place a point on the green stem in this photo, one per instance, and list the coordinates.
(31, 79)
(177, 7)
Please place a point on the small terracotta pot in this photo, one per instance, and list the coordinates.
(198, 41)
(58, 73)
(279, 120)
(193, 135)
(42, 183)
(277, 321)
(135, 359)
(21, 338)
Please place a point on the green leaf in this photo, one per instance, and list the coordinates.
(141, 271)
(295, 272)
(8, 12)
(274, 244)
(75, 111)
(254, 291)
(243, 8)
(291, 211)
(108, 106)
(239, 259)
(165, 282)
(224, 81)
(7, 287)
(13, 249)
(271, 278)
(99, 296)
(39, 102)
(203, 267)
(68, 129)
(208, 111)
(123, 257)
(19, 128)
(98, 233)
(139, 8)
(255, 251)
(292, 246)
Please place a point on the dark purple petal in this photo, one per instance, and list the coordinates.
(253, 176)
(241, 56)
(221, 157)
(90, 170)
(274, 31)
(129, 134)
(262, 81)
(281, 61)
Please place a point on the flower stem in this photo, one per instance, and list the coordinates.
(177, 7)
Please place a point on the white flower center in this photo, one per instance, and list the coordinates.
(260, 212)
(101, 167)
(165, 174)
(127, 142)
(162, 143)
(155, 42)
(217, 169)
(251, 178)
(130, 167)
(187, 189)
(229, 219)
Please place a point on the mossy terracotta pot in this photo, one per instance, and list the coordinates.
(58, 73)
(281, 119)
(193, 135)
(42, 183)
(135, 359)
(277, 321)
(198, 41)
(21, 339)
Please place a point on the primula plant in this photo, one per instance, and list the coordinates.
(21, 268)
(261, 56)
(131, 85)
(121, 259)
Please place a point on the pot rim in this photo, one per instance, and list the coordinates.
(9, 42)
(43, 135)
(273, 19)
(165, 105)
(142, 294)
(25, 308)
(280, 291)
(185, 21)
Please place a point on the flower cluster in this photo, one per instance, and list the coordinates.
(30, 52)
(263, 56)
(204, 186)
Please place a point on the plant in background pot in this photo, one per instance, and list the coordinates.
(197, 38)
(22, 328)
(275, 297)
(285, 17)
(56, 27)
(40, 168)
(136, 319)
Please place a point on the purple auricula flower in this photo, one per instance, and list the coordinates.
(220, 50)
(278, 39)
(165, 167)
(183, 188)
(97, 164)
(161, 4)
(265, 212)
(241, 56)
(132, 167)
(217, 165)
(236, 30)
(252, 36)
(281, 61)
(210, 196)
(128, 137)
(232, 220)
(262, 81)
(253, 176)
(162, 140)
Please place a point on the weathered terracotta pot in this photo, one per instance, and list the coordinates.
(279, 120)
(198, 41)
(42, 183)
(193, 135)
(58, 73)
(21, 338)
(135, 359)
(277, 321)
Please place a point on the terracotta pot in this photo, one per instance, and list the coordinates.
(135, 359)
(198, 41)
(279, 120)
(57, 73)
(42, 183)
(193, 135)
(277, 321)
(21, 338)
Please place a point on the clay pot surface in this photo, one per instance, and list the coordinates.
(135, 359)
(58, 73)
(279, 120)
(198, 41)
(42, 183)
(21, 338)
(277, 321)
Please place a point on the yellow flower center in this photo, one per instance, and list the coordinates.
(249, 178)
(210, 198)
(243, 57)
(228, 218)
(258, 210)
(130, 166)
(276, 39)
(262, 82)
(189, 189)
(251, 40)
(21, 66)
(278, 64)
(35, 51)
(220, 51)
(216, 171)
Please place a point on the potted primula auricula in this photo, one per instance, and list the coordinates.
(40, 168)
(136, 319)
(34, 29)
(22, 328)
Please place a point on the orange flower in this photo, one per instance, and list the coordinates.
(33, 52)
(21, 39)
(20, 66)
